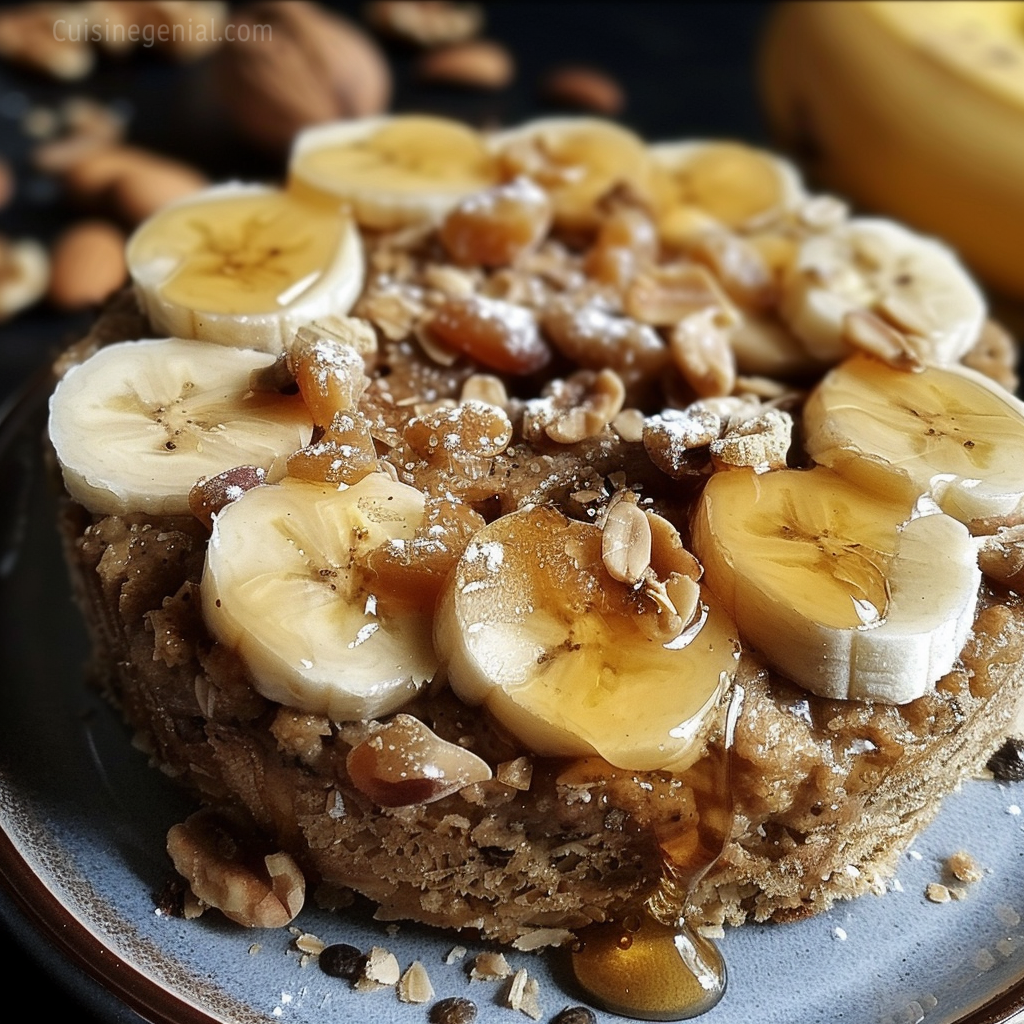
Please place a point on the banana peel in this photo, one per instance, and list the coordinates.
(914, 108)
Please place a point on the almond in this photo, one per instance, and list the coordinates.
(132, 182)
(87, 265)
(585, 88)
(312, 66)
(480, 64)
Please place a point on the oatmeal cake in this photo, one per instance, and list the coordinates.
(496, 540)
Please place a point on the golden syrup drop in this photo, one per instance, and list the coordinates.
(651, 965)
(659, 972)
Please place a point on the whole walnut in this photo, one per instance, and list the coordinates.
(293, 64)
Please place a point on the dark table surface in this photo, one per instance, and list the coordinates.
(687, 70)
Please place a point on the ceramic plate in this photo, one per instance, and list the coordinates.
(82, 854)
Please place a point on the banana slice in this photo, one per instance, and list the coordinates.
(721, 184)
(949, 432)
(286, 586)
(851, 595)
(532, 625)
(139, 422)
(244, 265)
(392, 171)
(913, 283)
(577, 161)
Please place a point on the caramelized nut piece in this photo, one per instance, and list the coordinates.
(329, 368)
(472, 428)
(343, 455)
(412, 572)
(626, 539)
(212, 494)
(500, 335)
(406, 763)
(493, 228)
(594, 338)
(216, 852)
(1001, 555)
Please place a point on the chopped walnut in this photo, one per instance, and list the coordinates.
(216, 852)
(574, 409)
(761, 443)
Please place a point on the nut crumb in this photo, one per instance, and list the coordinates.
(964, 867)
(381, 970)
(456, 953)
(489, 967)
(414, 986)
(523, 994)
(936, 892)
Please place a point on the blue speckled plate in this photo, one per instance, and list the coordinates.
(82, 856)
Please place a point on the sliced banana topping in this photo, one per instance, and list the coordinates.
(287, 585)
(391, 171)
(244, 265)
(704, 184)
(949, 432)
(851, 595)
(578, 162)
(913, 285)
(533, 625)
(139, 423)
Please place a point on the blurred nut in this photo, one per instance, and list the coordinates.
(87, 265)
(426, 22)
(6, 183)
(133, 182)
(199, 23)
(24, 272)
(480, 65)
(309, 67)
(585, 89)
(47, 37)
(995, 355)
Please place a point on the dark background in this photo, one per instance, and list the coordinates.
(687, 71)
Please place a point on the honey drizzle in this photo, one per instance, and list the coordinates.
(651, 965)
